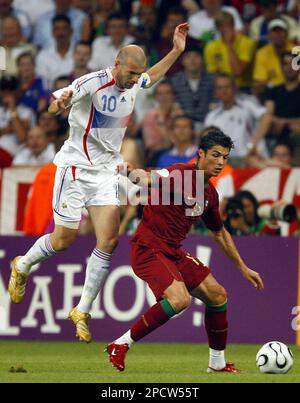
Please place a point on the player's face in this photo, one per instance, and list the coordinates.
(213, 160)
(128, 74)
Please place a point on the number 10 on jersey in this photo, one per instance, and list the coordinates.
(109, 103)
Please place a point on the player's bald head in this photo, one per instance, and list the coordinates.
(133, 53)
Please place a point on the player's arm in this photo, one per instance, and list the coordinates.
(61, 103)
(226, 243)
(179, 40)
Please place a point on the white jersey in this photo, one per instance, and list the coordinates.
(98, 119)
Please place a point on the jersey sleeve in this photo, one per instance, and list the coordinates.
(81, 87)
(211, 217)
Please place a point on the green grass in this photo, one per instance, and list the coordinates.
(146, 362)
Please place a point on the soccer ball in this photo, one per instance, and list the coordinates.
(274, 358)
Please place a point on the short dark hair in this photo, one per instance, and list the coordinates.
(225, 76)
(165, 81)
(116, 16)
(61, 17)
(183, 117)
(213, 138)
(25, 54)
(177, 10)
(286, 144)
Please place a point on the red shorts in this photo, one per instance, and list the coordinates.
(159, 270)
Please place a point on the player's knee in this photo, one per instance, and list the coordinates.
(220, 296)
(62, 243)
(180, 302)
(108, 245)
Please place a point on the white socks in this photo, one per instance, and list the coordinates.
(96, 273)
(125, 339)
(216, 359)
(41, 250)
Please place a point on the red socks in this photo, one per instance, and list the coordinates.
(216, 326)
(155, 317)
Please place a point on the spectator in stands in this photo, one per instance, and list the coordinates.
(259, 25)
(282, 157)
(183, 149)
(145, 24)
(267, 67)
(80, 23)
(49, 124)
(202, 23)
(175, 16)
(157, 123)
(63, 123)
(106, 48)
(235, 218)
(247, 122)
(232, 53)
(283, 101)
(13, 43)
(82, 55)
(33, 94)
(194, 87)
(104, 9)
(144, 99)
(37, 151)
(15, 120)
(256, 224)
(7, 8)
(57, 60)
(293, 9)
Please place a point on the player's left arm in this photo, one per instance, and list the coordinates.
(226, 243)
(159, 69)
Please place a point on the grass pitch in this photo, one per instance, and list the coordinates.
(56, 362)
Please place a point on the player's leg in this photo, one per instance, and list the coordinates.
(101, 198)
(165, 281)
(215, 298)
(106, 220)
(42, 249)
(67, 206)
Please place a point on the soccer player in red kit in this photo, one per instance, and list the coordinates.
(174, 275)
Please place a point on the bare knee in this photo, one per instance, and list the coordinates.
(219, 296)
(180, 302)
(62, 241)
(108, 245)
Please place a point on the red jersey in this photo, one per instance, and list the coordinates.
(165, 226)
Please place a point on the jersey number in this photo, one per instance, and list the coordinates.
(109, 103)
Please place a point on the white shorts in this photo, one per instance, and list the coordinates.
(75, 188)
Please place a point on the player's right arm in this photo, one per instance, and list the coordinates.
(61, 103)
(227, 245)
(80, 88)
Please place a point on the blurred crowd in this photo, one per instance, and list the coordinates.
(239, 73)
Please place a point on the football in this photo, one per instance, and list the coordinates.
(274, 358)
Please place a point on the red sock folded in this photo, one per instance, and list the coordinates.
(151, 320)
(216, 326)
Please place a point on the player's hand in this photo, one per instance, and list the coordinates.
(179, 38)
(64, 100)
(254, 278)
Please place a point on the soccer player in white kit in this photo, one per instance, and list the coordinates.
(87, 168)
